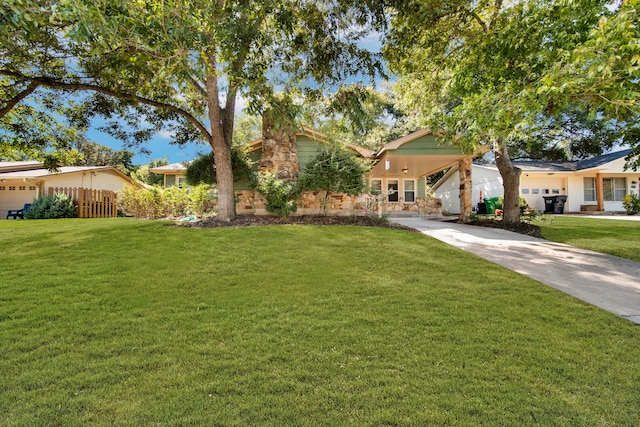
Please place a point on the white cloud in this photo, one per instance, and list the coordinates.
(166, 134)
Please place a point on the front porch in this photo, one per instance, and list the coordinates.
(403, 166)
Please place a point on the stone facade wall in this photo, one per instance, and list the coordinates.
(312, 203)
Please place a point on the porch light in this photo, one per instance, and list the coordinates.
(405, 170)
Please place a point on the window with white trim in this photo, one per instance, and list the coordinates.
(409, 190)
(614, 189)
(393, 190)
(376, 186)
(589, 190)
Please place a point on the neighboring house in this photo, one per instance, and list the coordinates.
(173, 174)
(398, 175)
(22, 182)
(596, 184)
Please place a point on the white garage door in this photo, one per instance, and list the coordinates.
(14, 195)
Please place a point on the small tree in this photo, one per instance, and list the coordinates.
(335, 170)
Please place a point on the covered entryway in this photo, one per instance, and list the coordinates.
(404, 164)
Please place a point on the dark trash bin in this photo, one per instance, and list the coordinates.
(482, 208)
(554, 204)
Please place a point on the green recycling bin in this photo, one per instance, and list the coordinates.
(492, 204)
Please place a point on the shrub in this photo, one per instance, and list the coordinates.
(176, 202)
(50, 207)
(280, 196)
(143, 202)
(521, 202)
(631, 203)
(156, 202)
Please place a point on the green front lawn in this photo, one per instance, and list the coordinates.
(609, 236)
(132, 322)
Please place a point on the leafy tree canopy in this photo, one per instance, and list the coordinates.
(94, 154)
(335, 170)
(473, 69)
(603, 73)
(202, 170)
(143, 173)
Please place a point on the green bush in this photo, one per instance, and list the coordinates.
(280, 196)
(173, 202)
(143, 202)
(50, 207)
(521, 202)
(631, 203)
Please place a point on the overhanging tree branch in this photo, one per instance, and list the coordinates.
(52, 83)
(16, 99)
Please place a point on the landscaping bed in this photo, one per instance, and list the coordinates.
(261, 220)
(522, 228)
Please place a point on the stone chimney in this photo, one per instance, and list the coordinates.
(279, 152)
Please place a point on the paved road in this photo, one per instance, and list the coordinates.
(605, 281)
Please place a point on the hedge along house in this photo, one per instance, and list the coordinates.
(22, 182)
(597, 184)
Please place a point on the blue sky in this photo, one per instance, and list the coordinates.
(160, 146)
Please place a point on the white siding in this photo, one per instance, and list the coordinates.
(575, 190)
(546, 186)
(483, 179)
(98, 180)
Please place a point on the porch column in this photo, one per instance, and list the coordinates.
(599, 192)
(464, 173)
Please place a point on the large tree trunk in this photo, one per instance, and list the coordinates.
(511, 183)
(466, 189)
(224, 178)
(221, 128)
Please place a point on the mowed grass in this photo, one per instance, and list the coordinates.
(126, 322)
(610, 236)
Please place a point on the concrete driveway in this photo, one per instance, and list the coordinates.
(605, 281)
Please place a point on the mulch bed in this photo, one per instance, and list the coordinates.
(522, 228)
(262, 220)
